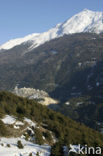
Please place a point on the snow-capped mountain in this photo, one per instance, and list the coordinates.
(85, 21)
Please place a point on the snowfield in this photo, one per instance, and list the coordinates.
(13, 150)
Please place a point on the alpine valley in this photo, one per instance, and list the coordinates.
(63, 69)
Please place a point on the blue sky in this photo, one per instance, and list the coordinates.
(19, 18)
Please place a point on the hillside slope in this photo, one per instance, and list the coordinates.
(56, 66)
(65, 130)
(67, 67)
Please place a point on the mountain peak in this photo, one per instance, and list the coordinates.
(85, 21)
(87, 10)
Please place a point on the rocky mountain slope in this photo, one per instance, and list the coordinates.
(68, 67)
(56, 65)
(36, 94)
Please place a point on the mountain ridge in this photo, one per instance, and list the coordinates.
(85, 21)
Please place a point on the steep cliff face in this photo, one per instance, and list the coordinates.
(36, 94)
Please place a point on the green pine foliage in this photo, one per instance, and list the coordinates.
(38, 136)
(8, 145)
(64, 129)
(30, 154)
(19, 144)
(37, 154)
(3, 129)
(57, 149)
(48, 136)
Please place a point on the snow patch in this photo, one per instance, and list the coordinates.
(67, 103)
(19, 123)
(9, 120)
(30, 122)
(79, 103)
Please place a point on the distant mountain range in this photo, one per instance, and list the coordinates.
(85, 21)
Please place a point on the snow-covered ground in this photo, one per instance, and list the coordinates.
(8, 146)
(13, 150)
